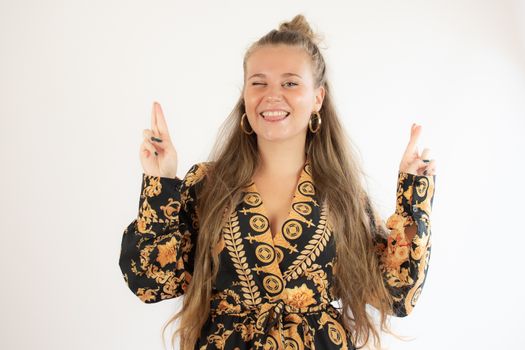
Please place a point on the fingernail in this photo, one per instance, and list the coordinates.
(155, 139)
(158, 154)
(424, 172)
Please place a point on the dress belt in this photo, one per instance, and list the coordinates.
(272, 314)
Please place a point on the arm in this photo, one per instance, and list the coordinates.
(404, 251)
(157, 250)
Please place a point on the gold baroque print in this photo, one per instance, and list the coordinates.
(279, 254)
(259, 223)
(273, 284)
(252, 199)
(299, 297)
(307, 188)
(233, 243)
(265, 253)
(271, 292)
(334, 329)
(311, 250)
(292, 229)
(404, 263)
(302, 208)
(422, 187)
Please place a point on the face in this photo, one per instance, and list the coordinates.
(280, 79)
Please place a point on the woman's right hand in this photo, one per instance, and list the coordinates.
(164, 162)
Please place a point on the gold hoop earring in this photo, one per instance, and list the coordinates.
(242, 125)
(318, 117)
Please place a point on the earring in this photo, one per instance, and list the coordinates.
(242, 125)
(318, 117)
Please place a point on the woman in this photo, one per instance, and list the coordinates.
(277, 225)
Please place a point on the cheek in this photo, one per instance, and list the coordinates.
(251, 100)
(301, 99)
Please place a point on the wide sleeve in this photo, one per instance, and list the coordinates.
(158, 246)
(404, 250)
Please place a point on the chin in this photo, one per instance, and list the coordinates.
(276, 137)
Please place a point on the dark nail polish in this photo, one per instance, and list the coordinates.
(424, 172)
(156, 153)
(153, 138)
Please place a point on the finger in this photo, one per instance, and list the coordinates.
(149, 148)
(144, 151)
(148, 136)
(421, 165)
(415, 131)
(431, 164)
(416, 167)
(431, 168)
(425, 153)
(162, 126)
(154, 121)
(429, 172)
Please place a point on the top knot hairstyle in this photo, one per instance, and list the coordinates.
(300, 24)
(339, 180)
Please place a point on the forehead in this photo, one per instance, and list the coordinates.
(277, 59)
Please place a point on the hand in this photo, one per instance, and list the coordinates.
(412, 162)
(164, 162)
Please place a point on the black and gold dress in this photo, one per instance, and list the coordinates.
(272, 292)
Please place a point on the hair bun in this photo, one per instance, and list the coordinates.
(300, 24)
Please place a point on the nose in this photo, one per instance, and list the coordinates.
(273, 98)
(274, 94)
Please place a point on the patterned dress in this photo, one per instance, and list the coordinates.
(272, 291)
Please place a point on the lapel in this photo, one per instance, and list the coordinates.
(296, 245)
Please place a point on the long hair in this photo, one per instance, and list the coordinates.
(339, 180)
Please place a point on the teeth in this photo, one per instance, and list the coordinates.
(274, 114)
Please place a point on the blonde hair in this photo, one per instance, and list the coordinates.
(338, 178)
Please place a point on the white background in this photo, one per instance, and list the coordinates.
(77, 80)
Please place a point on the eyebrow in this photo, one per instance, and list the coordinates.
(283, 75)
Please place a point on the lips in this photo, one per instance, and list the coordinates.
(275, 118)
(279, 113)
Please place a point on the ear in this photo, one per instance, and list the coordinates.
(319, 97)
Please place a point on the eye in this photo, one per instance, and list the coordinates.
(290, 82)
(258, 84)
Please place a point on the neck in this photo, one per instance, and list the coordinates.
(281, 158)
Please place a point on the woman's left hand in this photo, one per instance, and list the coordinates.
(412, 162)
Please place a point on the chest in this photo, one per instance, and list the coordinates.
(277, 197)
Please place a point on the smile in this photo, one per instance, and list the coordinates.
(274, 117)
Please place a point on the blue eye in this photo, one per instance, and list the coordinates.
(290, 82)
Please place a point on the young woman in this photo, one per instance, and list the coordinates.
(277, 225)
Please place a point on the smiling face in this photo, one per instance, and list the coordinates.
(280, 79)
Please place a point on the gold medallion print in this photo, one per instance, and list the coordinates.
(307, 188)
(279, 254)
(265, 253)
(252, 198)
(422, 187)
(302, 208)
(291, 344)
(273, 284)
(308, 168)
(292, 229)
(334, 334)
(271, 343)
(259, 223)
